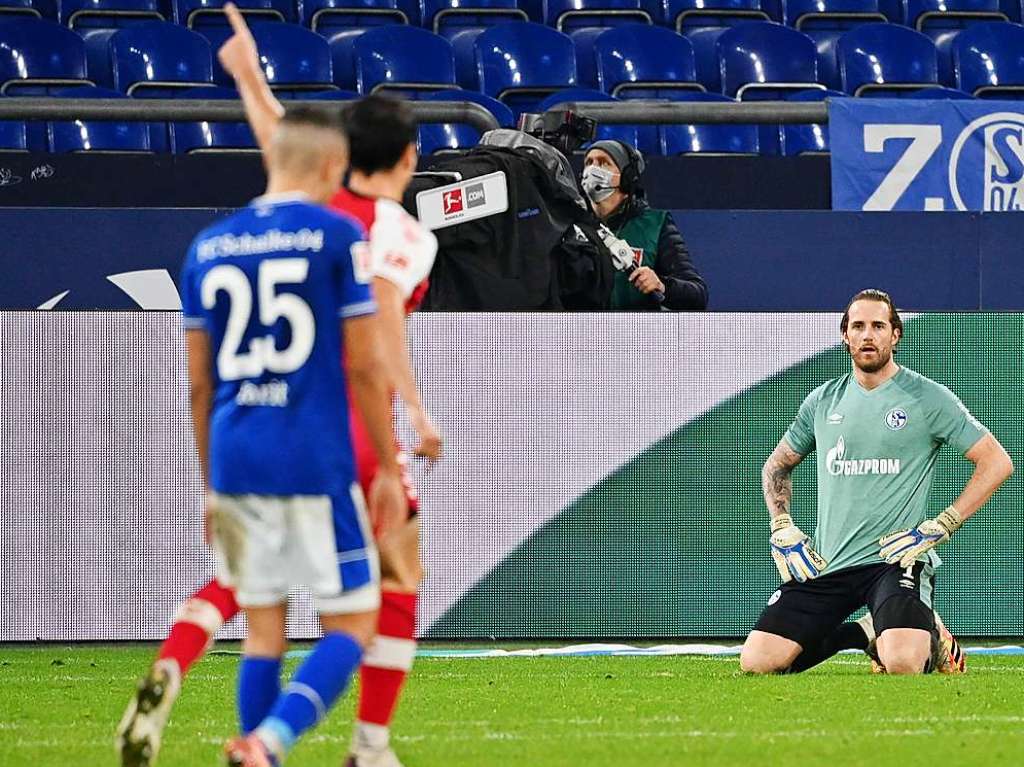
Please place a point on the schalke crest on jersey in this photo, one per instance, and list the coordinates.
(896, 419)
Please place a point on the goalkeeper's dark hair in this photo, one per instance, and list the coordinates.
(380, 130)
(873, 294)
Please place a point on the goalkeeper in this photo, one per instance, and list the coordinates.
(878, 431)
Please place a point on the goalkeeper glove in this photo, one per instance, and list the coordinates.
(792, 553)
(905, 546)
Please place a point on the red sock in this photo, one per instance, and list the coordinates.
(197, 621)
(388, 659)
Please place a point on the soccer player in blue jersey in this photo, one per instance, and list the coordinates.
(271, 296)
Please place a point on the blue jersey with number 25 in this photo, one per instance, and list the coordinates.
(269, 285)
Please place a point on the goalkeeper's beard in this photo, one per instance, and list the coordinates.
(880, 360)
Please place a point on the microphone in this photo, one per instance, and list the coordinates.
(622, 256)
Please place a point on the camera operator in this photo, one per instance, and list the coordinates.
(611, 179)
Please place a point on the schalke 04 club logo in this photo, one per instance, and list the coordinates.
(986, 165)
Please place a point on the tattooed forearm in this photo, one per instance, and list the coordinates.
(777, 478)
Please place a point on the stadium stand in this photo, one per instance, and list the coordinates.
(38, 57)
(328, 16)
(637, 61)
(521, 62)
(155, 59)
(806, 139)
(210, 136)
(81, 136)
(403, 60)
(825, 21)
(709, 139)
(644, 137)
(886, 60)
(988, 61)
(703, 26)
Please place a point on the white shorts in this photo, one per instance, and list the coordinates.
(266, 545)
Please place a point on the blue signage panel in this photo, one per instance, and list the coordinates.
(899, 154)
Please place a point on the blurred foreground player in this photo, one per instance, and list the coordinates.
(270, 298)
(400, 254)
(878, 431)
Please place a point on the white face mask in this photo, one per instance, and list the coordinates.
(597, 183)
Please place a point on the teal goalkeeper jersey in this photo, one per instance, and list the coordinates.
(876, 453)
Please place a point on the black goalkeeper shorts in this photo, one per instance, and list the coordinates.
(808, 612)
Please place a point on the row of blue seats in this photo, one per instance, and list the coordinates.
(651, 139)
(520, 63)
(440, 15)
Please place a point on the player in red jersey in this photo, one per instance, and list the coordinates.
(398, 257)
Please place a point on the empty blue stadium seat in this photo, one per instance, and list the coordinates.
(885, 60)
(810, 138)
(688, 14)
(644, 137)
(155, 58)
(824, 21)
(762, 59)
(210, 136)
(1014, 9)
(199, 14)
(292, 57)
(438, 136)
(332, 95)
(567, 15)
(638, 61)
(107, 14)
(97, 136)
(12, 136)
(988, 61)
(19, 8)
(403, 59)
(39, 56)
(521, 62)
(940, 94)
(702, 26)
(709, 139)
(328, 16)
(942, 21)
(446, 17)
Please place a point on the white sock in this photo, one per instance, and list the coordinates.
(371, 737)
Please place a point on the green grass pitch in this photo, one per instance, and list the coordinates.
(59, 706)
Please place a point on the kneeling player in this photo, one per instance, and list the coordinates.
(878, 430)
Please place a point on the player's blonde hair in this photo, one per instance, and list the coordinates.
(303, 138)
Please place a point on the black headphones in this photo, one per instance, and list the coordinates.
(629, 176)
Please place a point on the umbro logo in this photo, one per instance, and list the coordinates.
(835, 418)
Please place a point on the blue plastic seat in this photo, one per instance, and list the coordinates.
(332, 95)
(293, 59)
(210, 136)
(448, 17)
(810, 138)
(569, 15)
(107, 14)
(824, 21)
(642, 62)
(435, 137)
(942, 21)
(20, 8)
(988, 61)
(882, 60)
(401, 59)
(521, 62)
(154, 59)
(940, 94)
(1014, 9)
(695, 14)
(762, 59)
(38, 57)
(326, 17)
(644, 137)
(199, 14)
(97, 136)
(709, 139)
(702, 26)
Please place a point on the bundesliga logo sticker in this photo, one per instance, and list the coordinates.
(896, 419)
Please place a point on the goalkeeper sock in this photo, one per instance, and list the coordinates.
(848, 636)
(198, 619)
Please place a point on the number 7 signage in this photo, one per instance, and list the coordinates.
(926, 155)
